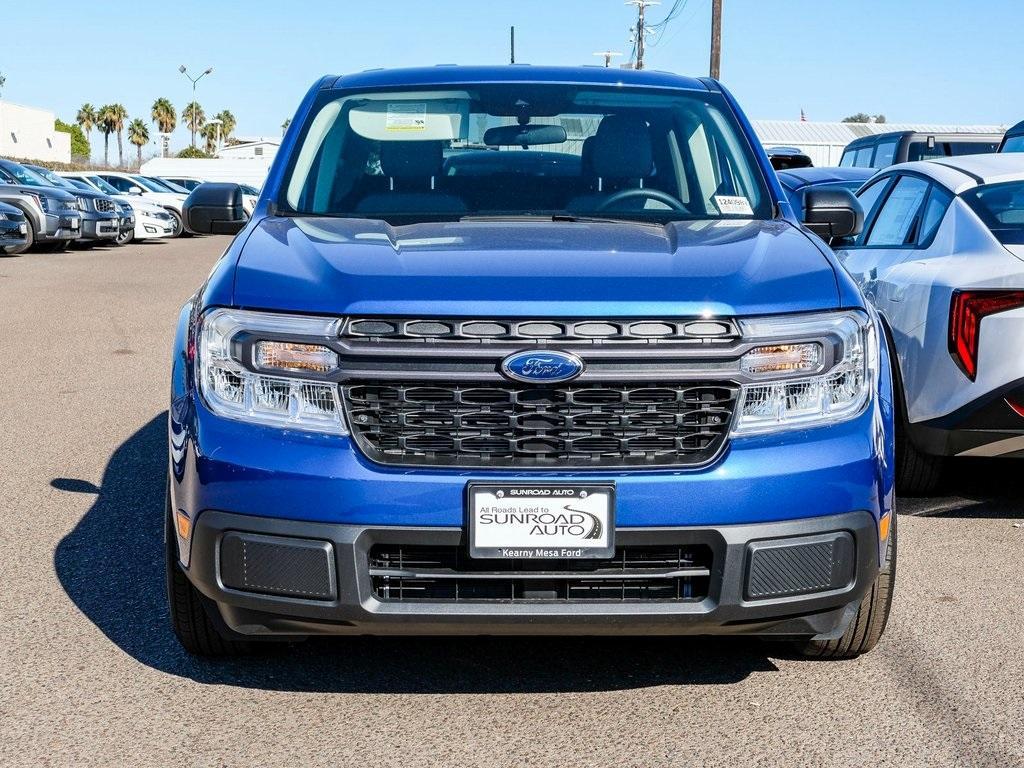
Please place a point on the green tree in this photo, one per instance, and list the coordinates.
(118, 116)
(192, 152)
(138, 134)
(209, 134)
(79, 144)
(194, 118)
(86, 119)
(164, 116)
(228, 124)
(859, 117)
(105, 121)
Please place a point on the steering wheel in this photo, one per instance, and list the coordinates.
(649, 194)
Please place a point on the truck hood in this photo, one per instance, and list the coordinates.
(338, 266)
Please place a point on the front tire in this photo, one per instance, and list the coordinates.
(123, 238)
(30, 239)
(868, 625)
(189, 618)
(179, 225)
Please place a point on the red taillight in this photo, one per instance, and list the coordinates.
(965, 314)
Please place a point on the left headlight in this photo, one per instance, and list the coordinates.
(256, 366)
(837, 352)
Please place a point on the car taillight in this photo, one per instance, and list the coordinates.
(965, 314)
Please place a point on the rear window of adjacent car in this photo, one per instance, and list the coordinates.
(919, 150)
(1014, 144)
(884, 153)
(1001, 208)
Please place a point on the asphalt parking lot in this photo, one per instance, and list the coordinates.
(93, 676)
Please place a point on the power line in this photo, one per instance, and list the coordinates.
(642, 30)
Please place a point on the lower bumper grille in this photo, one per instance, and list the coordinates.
(488, 425)
(445, 573)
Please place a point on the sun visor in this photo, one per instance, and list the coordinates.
(416, 116)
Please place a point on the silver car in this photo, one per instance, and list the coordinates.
(941, 256)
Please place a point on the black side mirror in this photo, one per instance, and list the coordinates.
(214, 209)
(833, 213)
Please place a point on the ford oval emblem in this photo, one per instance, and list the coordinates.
(542, 366)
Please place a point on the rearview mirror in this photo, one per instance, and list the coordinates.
(832, 213)
(524, 135)
(214, 209)
(133, 190)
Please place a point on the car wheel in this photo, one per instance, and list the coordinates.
(123, 238)
(179, 227)
(30, 239)
(917, 473)
(868, 625)
(192, 625)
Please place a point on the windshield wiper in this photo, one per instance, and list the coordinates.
(558, 217)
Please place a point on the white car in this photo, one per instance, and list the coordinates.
(249, 193)
(136, 184)
(941, 257)
(151, 220)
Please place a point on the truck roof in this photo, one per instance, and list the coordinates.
(451, 74)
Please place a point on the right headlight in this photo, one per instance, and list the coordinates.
(256, 366)
(836, 351)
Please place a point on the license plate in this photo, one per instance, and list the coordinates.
(541, 521)
(23, 229)
(74, 223)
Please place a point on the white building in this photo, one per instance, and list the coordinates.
(261, 149)
(28, 133)
(824, 142)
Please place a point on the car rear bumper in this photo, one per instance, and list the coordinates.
(990, 426)
(329, 589)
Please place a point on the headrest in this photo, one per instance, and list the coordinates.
(587, 157)
(411, 159)
(622, 148)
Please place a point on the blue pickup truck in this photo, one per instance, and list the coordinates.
(527, 350)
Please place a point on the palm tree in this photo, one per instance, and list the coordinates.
(194, 118)
(118, 116)
(209, 133)
(105, 121)
(138, 134)
(227, 124)
(166, 119)
(86, 119)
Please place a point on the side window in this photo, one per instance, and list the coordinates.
(885, 153)
(934, 211)
(121, 185)
(869, 199)
(848, 157)
(863, 157)
(894, 224)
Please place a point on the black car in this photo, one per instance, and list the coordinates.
(13, 227)
(881, 150)
(784, 158)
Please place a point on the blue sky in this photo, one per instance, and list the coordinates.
(943, 61)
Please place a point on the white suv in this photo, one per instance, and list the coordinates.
(151, 220)
(134, 184)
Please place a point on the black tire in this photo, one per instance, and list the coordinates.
(179, 225)
(30, 239)
(125, 238)
(192, 625)
(868, 625)
(917, 473)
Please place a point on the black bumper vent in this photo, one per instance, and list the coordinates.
(446, 574)
(783, 567)
(275, 565)
(508, 425)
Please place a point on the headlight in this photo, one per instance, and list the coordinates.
(285, 395)
(839, 348)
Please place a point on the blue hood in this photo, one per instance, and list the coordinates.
(516, 268)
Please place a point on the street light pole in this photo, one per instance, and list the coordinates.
(194, 81)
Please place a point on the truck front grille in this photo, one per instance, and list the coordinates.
(512, 425)
(104, 206)
(446, 574)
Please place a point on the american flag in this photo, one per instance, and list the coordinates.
(803, 117)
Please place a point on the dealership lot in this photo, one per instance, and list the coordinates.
(91, 678)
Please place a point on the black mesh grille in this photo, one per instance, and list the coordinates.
(104, 206)
(446, 573)
(537, 426)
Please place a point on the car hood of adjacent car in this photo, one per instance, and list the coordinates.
(516, 267)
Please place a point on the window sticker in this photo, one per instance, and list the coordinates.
(733, 204)
(406, 116)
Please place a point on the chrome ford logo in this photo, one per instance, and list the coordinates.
(542, 366)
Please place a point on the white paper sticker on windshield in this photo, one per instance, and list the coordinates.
(733, 204)
(406, 116)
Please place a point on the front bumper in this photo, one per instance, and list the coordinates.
(61, 226)
(352, 606)
(12, 232)
(97, 228)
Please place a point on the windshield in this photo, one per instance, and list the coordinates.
(1001, 208)
(53, 178)
(169, 185)
(149, 184)
(25, 176)
(103, 185)
(525, 150)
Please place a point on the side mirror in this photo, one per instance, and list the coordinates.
(133, 190)
(833, 213)
(214, 209)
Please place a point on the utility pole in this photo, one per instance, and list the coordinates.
(512, 44)
(607, 57)
(716, 38)
(641, 27)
